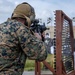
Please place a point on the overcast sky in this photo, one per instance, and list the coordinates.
(43, 8)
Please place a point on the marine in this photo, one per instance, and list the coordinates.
(17, 43)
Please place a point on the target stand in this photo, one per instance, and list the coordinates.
(63, 47)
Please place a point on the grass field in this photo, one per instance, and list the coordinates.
(30, 64)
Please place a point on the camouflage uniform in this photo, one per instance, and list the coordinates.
(16, 44)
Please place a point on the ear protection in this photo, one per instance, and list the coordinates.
(32, 14)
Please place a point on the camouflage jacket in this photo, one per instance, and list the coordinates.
(16, 44)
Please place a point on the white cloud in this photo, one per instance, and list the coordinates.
(43, 8)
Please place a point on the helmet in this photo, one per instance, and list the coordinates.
(24, 10)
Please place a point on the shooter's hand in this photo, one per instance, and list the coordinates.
(38, 36)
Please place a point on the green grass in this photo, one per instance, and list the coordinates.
(30, 64)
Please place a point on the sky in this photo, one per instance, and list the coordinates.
(43, 8)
